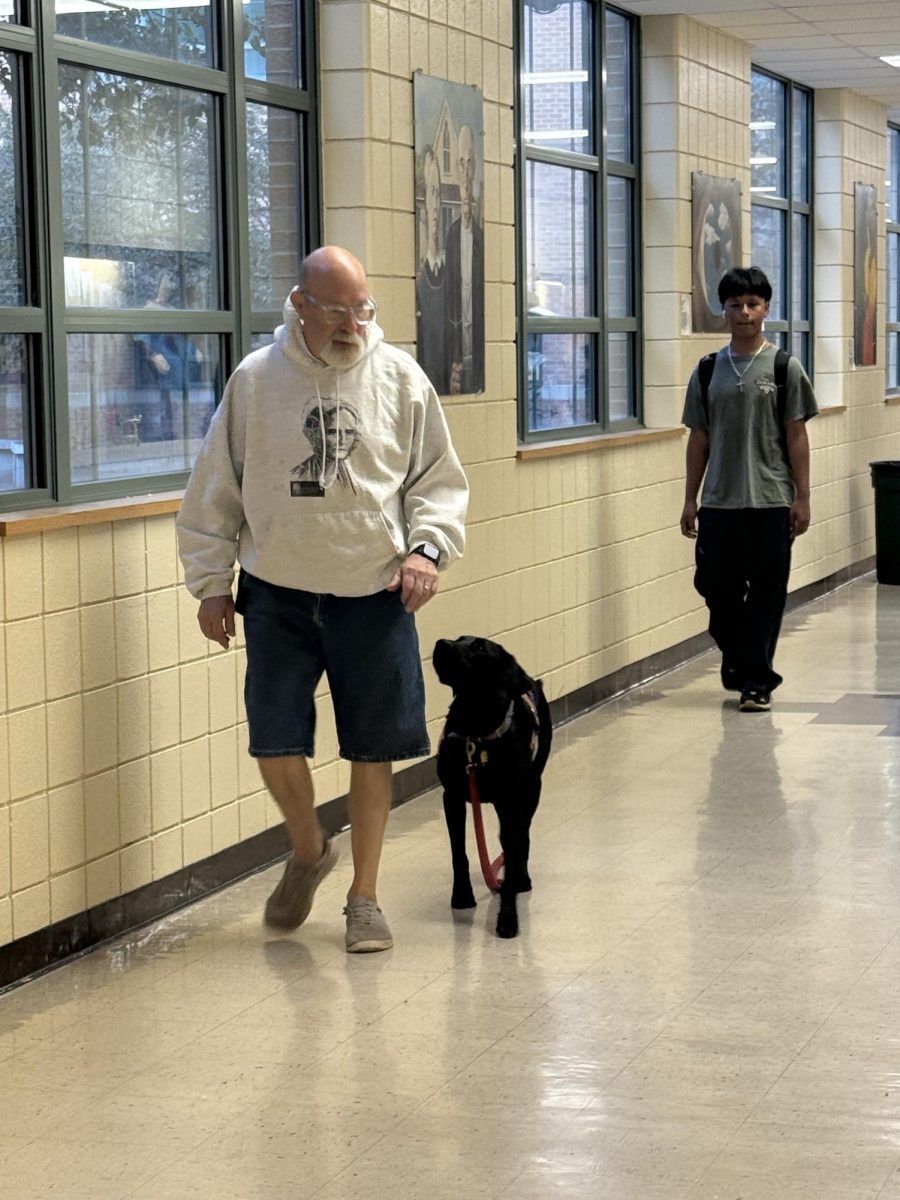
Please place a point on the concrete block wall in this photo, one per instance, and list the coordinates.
(122, 741)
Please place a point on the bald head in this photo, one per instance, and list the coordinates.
(334, 266)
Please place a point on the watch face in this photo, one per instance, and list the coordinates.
(429, 551)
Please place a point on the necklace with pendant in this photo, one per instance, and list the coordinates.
(741, 374)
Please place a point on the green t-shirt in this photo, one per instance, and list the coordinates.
(748, 464)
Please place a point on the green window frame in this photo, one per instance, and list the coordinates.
(578, 228)
(781, 192)
(220, 102)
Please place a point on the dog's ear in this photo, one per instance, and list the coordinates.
(516, 681)
(524, 683)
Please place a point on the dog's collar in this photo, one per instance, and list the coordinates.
(502, 728)
(472, 743)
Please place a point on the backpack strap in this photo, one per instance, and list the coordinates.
(705, 368)
(782, 358)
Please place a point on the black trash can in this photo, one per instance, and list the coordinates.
(886, 482)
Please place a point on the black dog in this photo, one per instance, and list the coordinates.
(499, 725)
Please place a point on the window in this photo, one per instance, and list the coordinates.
(20, 320)
(893, 260)
(150, 240)
(578, 227)
(781, 212)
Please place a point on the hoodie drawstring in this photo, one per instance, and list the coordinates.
(324, 482)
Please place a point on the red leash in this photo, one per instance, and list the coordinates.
(488, 869)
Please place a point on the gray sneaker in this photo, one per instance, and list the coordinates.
(289, 905)
(366, 927)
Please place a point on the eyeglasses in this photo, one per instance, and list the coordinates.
(334, 314)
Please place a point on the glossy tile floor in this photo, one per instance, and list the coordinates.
(704, 1003)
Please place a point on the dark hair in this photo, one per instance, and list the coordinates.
(744, 281)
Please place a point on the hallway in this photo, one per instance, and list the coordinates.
(702, 1005)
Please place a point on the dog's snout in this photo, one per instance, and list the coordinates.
(441, 647)
(442, 657)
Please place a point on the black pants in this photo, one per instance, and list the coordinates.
(743, 558)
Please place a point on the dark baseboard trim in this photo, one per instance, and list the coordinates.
(37, 952)
(821, 587)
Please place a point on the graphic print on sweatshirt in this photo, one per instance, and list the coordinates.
(333, 431)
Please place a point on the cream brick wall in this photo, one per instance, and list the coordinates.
(108, 732)
(122, 738)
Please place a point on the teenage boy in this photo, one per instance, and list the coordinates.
(747, 408)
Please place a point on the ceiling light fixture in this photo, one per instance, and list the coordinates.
(554, 135)
(892, 60)
(531, 77)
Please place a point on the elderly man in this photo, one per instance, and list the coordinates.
(465, 278)
(332, 568)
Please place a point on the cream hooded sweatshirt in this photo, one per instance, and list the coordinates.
(321, 479)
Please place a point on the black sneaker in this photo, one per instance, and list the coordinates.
(755, 702)
(730, 679)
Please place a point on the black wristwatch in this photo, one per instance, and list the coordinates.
(429, 551)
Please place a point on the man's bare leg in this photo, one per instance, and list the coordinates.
(290, 782)
(371, 792)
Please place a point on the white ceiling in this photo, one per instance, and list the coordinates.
(813, 42)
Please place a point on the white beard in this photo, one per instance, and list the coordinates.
(343, 354)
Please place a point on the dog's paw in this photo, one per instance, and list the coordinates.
(463, 897)
(507, 925)
(524, 883)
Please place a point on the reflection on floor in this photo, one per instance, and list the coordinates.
(703, 1004)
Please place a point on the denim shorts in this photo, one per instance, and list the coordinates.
(367, 647)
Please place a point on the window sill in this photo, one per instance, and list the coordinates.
(894, 398)
(96, 512)
(605, 441)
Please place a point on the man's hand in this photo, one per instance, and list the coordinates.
(216, 618)
(417, 577)
(799, 517)
(161, 363)
(689, 519)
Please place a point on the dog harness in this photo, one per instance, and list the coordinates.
(477, 753)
